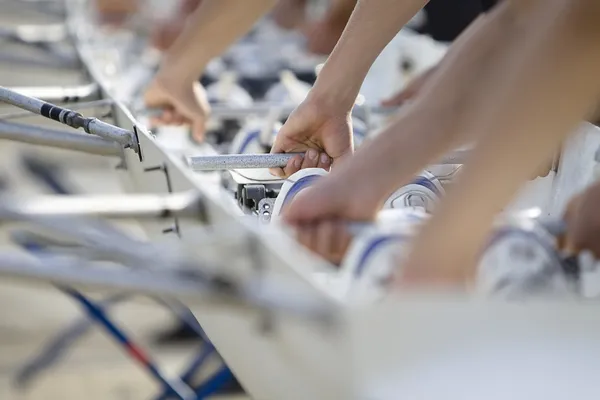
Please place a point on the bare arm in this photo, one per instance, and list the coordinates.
(370, 28)
(546, 86)
(214, 26)
(432, 125)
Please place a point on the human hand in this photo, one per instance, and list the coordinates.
(409, 91)
(582, 217)
(324, 134)
(182, 103)
(321, 213)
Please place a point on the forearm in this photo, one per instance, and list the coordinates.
(433, 124)
(546, 87)
(373, 24)
(211, 29)
(341, 10)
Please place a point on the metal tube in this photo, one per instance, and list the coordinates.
(277, 296)
(110, 206)
(245, 161)
(18, 99)
(58, 139)
(76, 106)
(239, 161)
(32, 34)
(58, 93)
(50, 61)
(67, 117)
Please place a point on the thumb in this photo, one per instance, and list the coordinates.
(198, 130)
(343, 157)
(283, 144)
(277, 148)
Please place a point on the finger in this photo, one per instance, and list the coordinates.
(167, 117)
(332, 241)
(159, 118)
(179, 119)
(294, 165)
(341, 240)
(311, 159)
(278, 144)
(291, 167)
(313, 238)
(277, 172)
(303, 235)
(155, 120)
(276, 149)
(323, 240)
(198, 131)
(324, 161)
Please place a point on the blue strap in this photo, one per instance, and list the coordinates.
(425, 182)
(370, 250)
(248, 140)
(297, 186)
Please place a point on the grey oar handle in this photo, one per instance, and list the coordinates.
(240, 161)
(245, 161)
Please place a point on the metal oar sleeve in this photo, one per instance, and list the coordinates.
(239, 161)
(67, 117)
(58, 139)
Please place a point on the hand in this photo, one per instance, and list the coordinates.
(320, 214)
(182, 102)
(410, 91)
(583, 222)
(325, 136)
